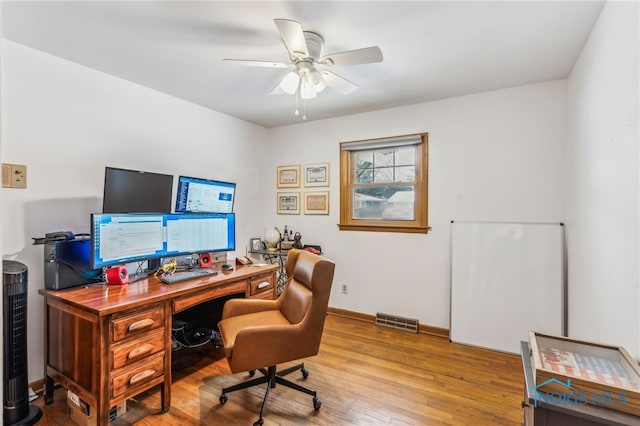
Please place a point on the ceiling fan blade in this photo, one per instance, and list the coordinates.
(338, 83)
(278, 90)
(259, 64)
(367, 55)
(293, 37)
(287, 85)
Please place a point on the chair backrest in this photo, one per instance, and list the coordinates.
(305, 298)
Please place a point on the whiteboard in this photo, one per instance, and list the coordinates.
(506, 279)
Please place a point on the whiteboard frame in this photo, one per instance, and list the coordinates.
(482, 336)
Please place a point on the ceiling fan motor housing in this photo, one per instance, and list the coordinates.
(314, 44)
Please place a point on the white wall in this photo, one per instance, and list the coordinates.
(603, 183)
(67, 122)
(496, 156)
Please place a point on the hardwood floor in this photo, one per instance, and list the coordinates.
(364, 375)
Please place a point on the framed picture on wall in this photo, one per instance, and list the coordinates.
(288, 176)
(316, 174)
(288, 203)
(316, 202)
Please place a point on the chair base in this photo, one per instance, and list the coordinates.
(273, 377)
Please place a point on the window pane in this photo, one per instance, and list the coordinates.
(363, 167)
(383, 158)
(405, 174)
(405, 156)
(384, 203)
(363, 159)
(383, 175)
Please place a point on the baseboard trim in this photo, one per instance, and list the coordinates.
(423, 329)
(37, 386)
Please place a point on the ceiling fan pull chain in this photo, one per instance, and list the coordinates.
(296, 112)
(304, 109)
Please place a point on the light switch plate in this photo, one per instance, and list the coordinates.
(14, 176)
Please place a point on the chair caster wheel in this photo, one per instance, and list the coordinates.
(258, 422)
(316, 403)
(252, 373)
(305, 373)
(223, 398)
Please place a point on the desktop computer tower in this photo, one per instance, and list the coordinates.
(67, 264)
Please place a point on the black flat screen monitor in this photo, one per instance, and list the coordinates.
(204, 195)
(135, 191)
(118, 239)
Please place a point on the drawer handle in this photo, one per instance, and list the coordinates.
(263, 285)
(142, 350)
(143, 375)
(143, 323)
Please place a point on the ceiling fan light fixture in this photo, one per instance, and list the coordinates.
(290, 83)
(317, 81)
(306, 88)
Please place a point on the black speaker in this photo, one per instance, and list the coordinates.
(17, 410)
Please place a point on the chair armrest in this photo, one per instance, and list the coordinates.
(235, 307)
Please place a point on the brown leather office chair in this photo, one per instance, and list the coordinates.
(259, 334)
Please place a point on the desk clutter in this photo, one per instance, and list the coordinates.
(275, 241)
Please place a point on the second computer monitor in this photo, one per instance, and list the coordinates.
(123, 238)
(196, 195)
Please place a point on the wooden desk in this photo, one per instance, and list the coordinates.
(107, 343)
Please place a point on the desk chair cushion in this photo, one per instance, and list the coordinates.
(260, 322)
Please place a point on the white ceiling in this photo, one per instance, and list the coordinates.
(432, 50)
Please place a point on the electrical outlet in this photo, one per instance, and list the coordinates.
(345, 289)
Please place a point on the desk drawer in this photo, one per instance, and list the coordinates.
(128, 353)
(185, 302)
(137, 378)
(261, 285)
(139, 322)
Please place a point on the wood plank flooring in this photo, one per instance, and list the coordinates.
(364, 375)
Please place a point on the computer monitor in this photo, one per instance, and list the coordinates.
(118, 238)
(136, 191)
(204, 195)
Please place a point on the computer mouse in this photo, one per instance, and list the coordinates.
(227, 267)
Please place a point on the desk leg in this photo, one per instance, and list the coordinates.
(48, 389)
(165, 386)
(165, 396)
(282, 270)
(102, 412)
(282, 275)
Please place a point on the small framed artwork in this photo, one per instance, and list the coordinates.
(289, 176)
(316, 202)
(256, 244)
(288, 203)
(316, 174)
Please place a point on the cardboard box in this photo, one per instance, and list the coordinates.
(81, 413)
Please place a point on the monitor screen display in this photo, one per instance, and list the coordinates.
(204, 195)
(134, 191)
(123, 238)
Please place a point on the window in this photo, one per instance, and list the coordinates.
(383, 184)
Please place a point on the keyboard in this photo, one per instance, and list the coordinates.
(187, 275)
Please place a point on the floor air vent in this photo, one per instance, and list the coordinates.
(399, 323)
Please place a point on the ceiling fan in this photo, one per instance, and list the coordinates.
(309, 75)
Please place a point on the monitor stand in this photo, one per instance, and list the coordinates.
(153, 265)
